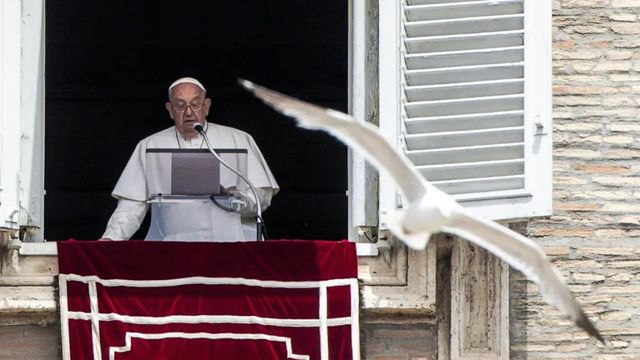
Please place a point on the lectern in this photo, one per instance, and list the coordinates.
(186, 192)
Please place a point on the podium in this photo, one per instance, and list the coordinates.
(187, 203)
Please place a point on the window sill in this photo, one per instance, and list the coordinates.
(49, 248)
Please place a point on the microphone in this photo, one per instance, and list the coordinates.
(198, 127)
(259, 222)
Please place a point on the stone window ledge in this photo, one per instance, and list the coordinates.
(387, 284)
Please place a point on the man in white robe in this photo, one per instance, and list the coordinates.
(195, 220)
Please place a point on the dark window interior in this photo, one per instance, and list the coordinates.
(108, 66)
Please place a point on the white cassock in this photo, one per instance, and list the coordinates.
(197, 220)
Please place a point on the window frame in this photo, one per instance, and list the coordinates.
(22, 68)
(10, 109)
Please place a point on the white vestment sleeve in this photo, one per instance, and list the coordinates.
(132, 183)
(249, 208)
(126, 219)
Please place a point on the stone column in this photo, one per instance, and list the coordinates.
(479, 304)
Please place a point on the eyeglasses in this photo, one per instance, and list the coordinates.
(182, 107)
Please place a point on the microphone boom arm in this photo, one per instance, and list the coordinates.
(197, 127)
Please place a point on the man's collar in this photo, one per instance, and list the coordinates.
(183, 138)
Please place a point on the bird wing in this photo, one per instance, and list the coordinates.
(361, 136)
(522, 254)
(518, 251)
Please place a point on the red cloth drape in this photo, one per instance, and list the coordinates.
(176, 300)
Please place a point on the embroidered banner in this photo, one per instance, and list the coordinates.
(176, 300)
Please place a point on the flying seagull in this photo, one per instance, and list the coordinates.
(430, 210)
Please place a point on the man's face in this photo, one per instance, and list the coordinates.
(187, 105)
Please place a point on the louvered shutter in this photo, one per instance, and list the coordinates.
(474, 93)
(10, 67)
(22, 117)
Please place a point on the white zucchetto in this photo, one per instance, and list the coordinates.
(186, 80)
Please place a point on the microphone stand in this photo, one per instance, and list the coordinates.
(259, 223)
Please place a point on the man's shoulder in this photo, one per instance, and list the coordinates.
(162, 138)
(168, 133)
(227, 131)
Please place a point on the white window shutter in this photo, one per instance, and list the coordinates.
(474, 99)
(22, 117)
(10, 46)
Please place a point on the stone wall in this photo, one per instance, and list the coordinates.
(402, 339)
(29, 325)
(594, 233)
(30, 342)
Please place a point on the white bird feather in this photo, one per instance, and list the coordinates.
(430, 210)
